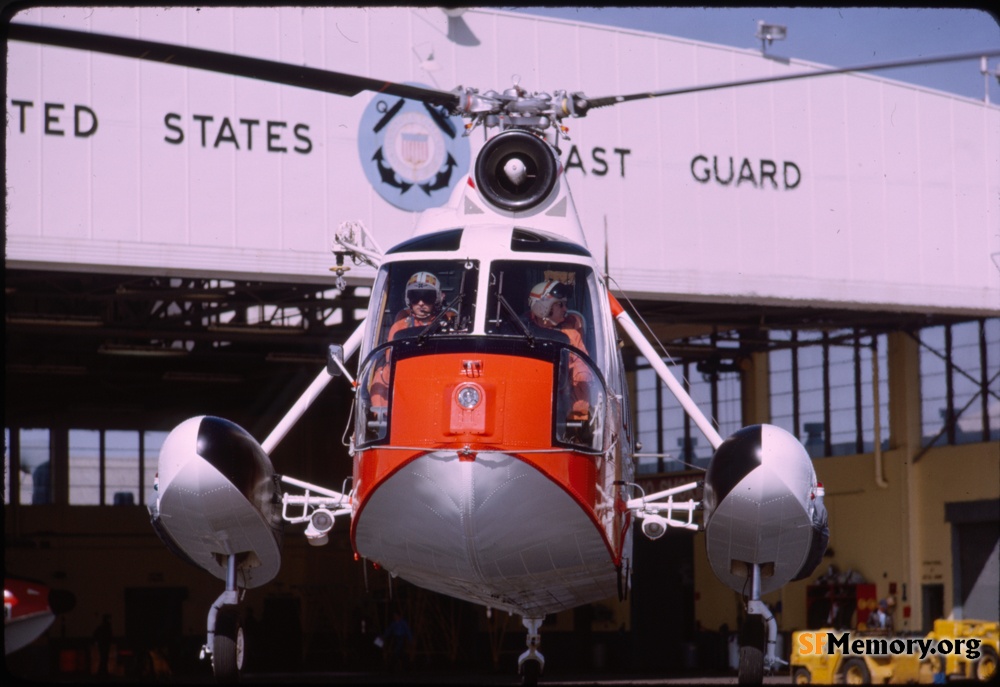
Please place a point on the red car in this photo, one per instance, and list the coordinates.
(26, 612)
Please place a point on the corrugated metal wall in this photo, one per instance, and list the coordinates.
(843, 190)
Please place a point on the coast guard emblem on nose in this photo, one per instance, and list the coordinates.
(413, 154)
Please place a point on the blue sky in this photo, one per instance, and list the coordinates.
(836, 36)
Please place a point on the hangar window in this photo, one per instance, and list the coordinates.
(112, 467)
(822, 389)
(670, 440)
(26, 466)
(85, 467)
(81, 467)
(824, 386)
(960, 382)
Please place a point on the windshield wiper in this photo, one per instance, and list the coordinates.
(513, 315)
(425, 332)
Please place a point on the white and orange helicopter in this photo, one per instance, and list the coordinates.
(491, 435)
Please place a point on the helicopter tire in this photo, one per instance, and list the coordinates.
(227, 647)
(751, 666)
(753, 638)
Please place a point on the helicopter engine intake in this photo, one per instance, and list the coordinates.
(516, 171)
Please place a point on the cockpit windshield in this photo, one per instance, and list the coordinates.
(425, 298)
(552, 300)
(548, 310)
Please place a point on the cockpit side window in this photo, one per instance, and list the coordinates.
(426, 297)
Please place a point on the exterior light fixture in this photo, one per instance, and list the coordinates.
(768, 33)
(468, 397)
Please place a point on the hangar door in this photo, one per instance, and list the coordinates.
(975, 542)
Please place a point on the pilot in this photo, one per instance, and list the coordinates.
(424, 300)
(548, 309)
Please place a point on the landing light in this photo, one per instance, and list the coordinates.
(468, 397)
(318, 529)
(654, 526)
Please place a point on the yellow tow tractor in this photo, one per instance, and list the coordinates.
(810, 662)
(956, 665)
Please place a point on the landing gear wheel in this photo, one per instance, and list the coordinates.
(530, 670)
(751, 666)
(855, 672)
(985, 669)
(227, 648)
(753, 639)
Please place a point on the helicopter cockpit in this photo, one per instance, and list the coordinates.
(445, 307)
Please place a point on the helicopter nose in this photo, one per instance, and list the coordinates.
(516, 170)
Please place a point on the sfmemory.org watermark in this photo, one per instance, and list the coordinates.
(818, 643)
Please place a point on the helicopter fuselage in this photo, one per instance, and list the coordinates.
(490, 466)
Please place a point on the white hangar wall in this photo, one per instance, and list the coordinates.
(843, 190)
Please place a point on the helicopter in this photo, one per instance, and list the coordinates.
(496, 465)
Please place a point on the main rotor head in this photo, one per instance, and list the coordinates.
(516, 108)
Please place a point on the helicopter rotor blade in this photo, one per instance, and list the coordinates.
(255, 68)
(592, 103)
(534, 112)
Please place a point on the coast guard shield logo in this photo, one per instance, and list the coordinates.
(413, 153)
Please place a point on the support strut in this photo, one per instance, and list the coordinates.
(759, 636)
(227, 598)
(531, 662)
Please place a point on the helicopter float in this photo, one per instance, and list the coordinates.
(491, 435)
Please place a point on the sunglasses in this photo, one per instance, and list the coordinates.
(428, 296)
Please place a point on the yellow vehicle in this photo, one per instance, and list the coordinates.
(810, 662)
(957, 666)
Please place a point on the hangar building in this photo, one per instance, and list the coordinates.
(821, 254)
